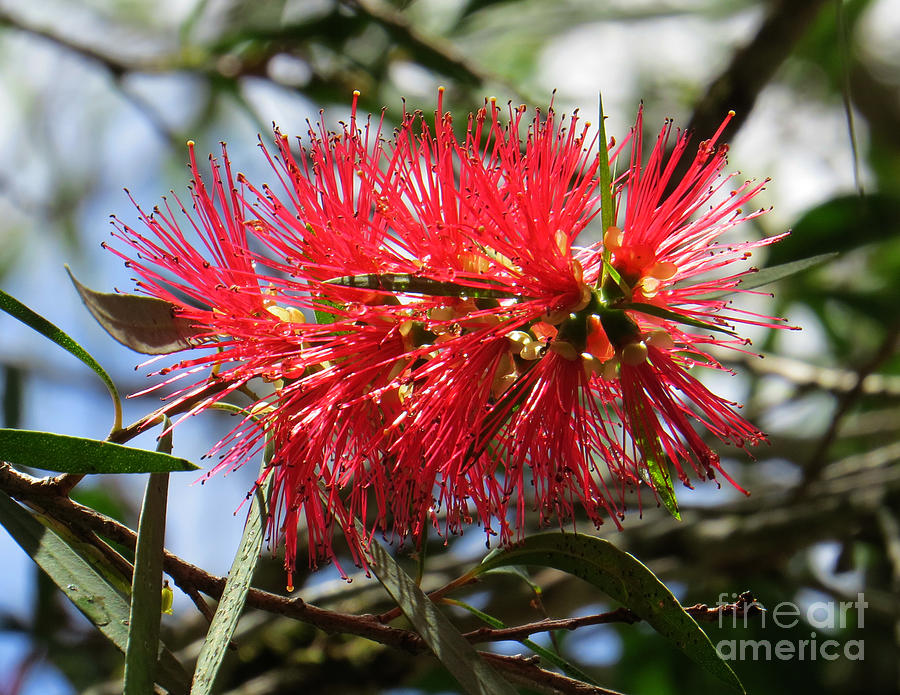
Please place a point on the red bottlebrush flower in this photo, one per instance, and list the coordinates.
(465, 350)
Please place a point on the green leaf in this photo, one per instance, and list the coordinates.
(66, 454)
(412, 284)
(647, 439)
(606, 198)
(234, 595)
(448, 645)
(662, 485)
(841, 224)
(16, 309)
(145, 324)
(322, 315)
(550, 657)
(661, 313)
(623, 578)
(92, 595)
(146, 586)
(767, 276)
(653, 455)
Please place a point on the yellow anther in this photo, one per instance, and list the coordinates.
(279, 312)
(518, 340)
(531, 351)
(610, 370)
(613, 238)
(554, 318)
(663, 270)
(577, 270)
(564, 349)
(585, 297)
(562, 242)
(634, 354)
(501, 384)
(661, 340)
(590, 364)
(650, 286)
(442, 313)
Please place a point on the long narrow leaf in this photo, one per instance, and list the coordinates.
(231, 604)
(66, 454)
(448, 645)
(625, 579)
(412, 284)
(146, 586)
(92, 595)
(662, 313)
(16, 309)
(767, 276)
(606, 198)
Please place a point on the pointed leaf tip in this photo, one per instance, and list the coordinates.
(65, 454)
(145, 324)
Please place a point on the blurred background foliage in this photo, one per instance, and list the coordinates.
(101, 94)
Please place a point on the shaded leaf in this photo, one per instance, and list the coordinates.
(228, 612)
(146, 586)
(16, 309)
(772, 274)
(840, 224)
(661, 313)
(92, 595)
(412, 284)
(623, 578)
(145, 324)
(448, 645)
(66, 454)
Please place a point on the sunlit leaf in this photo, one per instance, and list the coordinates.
(16, 309)
(606, 197)
(100, 603)
(66, 454)
(626, 580)
(145, 324)
(448, 645)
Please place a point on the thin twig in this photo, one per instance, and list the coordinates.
(817, 460)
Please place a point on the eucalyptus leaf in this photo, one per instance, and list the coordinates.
(145, 324)
(654, 457)
(67, 454)
(146, 586)
(607, 212)
(16, 309)
(623, 578)
(231, 604)
(775, 273)
(100, 603)
(413, 284)
(454, 652)
(669, 315)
